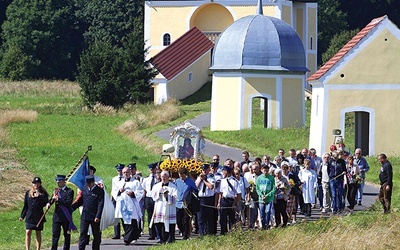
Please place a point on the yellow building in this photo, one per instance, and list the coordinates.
(362, 79)
(258, 57)
(166, 21)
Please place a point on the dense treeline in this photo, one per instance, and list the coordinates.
(339, 20)
(361, 12)
(100, 42)
(41, 39)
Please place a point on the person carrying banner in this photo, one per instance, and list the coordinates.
(92, 200)
(62, 217)
(108, 209)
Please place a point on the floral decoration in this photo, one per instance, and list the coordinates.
(358, 179)
(173, 165)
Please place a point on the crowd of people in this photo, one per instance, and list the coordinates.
(257, 193)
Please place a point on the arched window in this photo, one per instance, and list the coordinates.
(166, 39)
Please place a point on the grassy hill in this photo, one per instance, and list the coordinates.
(44, 130)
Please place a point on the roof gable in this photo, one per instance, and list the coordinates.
(181, 53)
(346, 48)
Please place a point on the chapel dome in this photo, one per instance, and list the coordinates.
(259, 42)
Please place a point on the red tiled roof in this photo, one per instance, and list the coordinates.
(343, 51)
(181, 53)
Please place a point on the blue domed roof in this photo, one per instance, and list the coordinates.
(259, 42)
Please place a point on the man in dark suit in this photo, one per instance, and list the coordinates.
(62, 197)
(92, 200)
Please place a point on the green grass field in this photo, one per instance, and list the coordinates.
(54, 142)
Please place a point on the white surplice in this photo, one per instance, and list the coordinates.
(128, 208)
(164, 208)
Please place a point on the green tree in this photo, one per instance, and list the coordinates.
(3, 6)
(113, 70)
(45, 34)
(109, 21)
(113, 75)
(337, 42)
(139, 71)
(361, 12)
(101, 75)
(331, 20)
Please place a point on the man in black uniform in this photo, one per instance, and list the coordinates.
(147, 186)
(386, 179)
(62, 197)
(92, 200)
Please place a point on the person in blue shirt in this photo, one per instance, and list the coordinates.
(362, 164)
(185, 185)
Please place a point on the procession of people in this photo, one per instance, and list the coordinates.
(253, 194)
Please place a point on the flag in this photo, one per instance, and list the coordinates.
(78, 176)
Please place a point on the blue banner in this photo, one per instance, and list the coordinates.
(78, 176)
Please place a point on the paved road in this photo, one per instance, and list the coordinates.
(211, 148)
(369, 198)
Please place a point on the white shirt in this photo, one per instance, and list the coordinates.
(218, 177)
(243, 185)
(208, 192)
(98, 180)
(292, 161)
(146, 184)
(226, 190)
(325, 174)
(132, 185)
(248, 176)
(114, 186)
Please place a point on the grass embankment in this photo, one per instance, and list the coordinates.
(52, 142)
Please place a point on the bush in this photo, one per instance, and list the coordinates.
(15, 64)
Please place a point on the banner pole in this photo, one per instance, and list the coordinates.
(70, 173)
(79, 162)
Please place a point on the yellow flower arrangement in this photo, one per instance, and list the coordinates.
(173, 165)
(252, 186)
